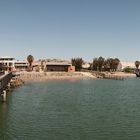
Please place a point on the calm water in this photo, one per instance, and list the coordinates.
(72, 110)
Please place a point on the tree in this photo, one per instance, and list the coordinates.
(77, 62)
(116, 62)
(30, 60)
(95, 64)
(100, 63)
(43, 64)
(91, 65)
(128, 70)
(113, 63)
(109, 63)
(106, 65)
(137, 63)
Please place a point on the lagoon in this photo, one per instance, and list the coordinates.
(72, 110)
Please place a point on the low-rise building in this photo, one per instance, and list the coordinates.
(21, 65)
(8, 63)
(128, 64)
(2, 68)
(86, 66)
(59, 66)
(54, 65)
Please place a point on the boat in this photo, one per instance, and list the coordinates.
(137, 72)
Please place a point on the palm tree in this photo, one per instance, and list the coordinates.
(106, 65)
(110, 61)
(100, 63)
(116, 63)
(77, 62)
(30, 60)
(137, 63)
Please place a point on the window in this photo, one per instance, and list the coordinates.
(10, 64)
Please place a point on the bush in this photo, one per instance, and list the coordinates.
(128, 70)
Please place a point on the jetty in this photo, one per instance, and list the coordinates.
(106, 75)
(5, 79)
(110, 76)
(9, 81)
(114, 77)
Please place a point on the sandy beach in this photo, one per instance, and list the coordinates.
(41, 76)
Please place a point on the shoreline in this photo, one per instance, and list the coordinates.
(43, 76)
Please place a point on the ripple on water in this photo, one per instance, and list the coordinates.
(77, 110)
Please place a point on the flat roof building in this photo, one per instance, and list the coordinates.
(21, 65)
(57, 66)
(8, 62)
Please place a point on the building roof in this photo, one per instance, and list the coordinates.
(18, 62)
(86, 65)
(7, 57)
(58, 63)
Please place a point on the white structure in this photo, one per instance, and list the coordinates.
(128, 64)
(85, 65)
(8, 62)
(11, 64)
(21, 65)
(119, 68)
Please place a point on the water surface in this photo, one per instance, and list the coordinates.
(72, 110)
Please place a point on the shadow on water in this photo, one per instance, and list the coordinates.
(3, 119)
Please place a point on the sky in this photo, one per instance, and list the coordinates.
(70, 28)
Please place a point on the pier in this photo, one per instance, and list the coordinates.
(104, 75)
(114, 77)
(4, 83)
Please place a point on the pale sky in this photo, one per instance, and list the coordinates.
(70, 28)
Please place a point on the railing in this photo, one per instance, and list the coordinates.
(4, 81)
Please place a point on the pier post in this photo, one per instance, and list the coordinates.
(8, 85)
(3, 96)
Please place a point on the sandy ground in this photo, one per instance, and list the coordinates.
(39, 76)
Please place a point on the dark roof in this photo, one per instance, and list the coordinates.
(58, 64)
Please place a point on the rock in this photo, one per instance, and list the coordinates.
(16, 82)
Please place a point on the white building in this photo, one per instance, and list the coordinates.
(123, 65)
(128, 64)
(86, 66)
(21, 65)
(11, 64)
(119, 68)
(8, 62)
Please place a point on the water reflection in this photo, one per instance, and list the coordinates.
(3, 118)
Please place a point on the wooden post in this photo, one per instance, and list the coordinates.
(3, 96)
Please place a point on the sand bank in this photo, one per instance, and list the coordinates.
(39, 76)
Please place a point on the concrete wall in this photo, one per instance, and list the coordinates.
(71, 69)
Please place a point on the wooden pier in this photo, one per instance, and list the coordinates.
(103, 75)
(114, 77)
(4, 82)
